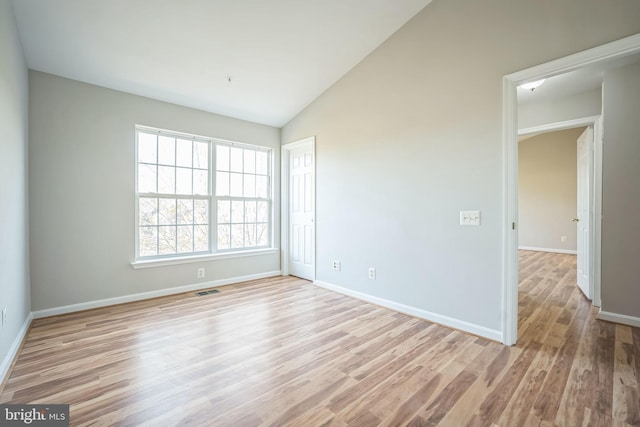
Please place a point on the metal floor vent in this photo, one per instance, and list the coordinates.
(210, 291)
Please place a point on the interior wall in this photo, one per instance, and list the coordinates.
(547, 190)
(413, 134)
(566, 108)
(621, 192)
(14, 248)
(82, 186)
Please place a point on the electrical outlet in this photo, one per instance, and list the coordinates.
(372, 273)
(563, 239)
(201, 273)
(337, 265)
(4, 316)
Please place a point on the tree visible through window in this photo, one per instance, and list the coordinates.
(176, 214)
(242, 197)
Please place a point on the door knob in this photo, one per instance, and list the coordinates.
(575, 219)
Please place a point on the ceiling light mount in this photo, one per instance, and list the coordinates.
(532, 85)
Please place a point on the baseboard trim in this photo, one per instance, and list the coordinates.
(619, 318)
(417, 312)
(556, 251)
(5, 367)
(151, 294)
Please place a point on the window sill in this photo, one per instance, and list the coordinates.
(149, 263)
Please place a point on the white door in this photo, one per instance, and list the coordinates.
(583, 217)
(301, 212)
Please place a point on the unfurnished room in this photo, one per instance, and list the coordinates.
(319, 213)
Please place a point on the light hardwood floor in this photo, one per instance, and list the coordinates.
(281, 351)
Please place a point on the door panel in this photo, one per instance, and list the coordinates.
(583, 217)
(301, 213)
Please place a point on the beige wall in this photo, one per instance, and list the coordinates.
(82, 162)
(413, 134)
(14, 246)
(621, 192)
(547, 191)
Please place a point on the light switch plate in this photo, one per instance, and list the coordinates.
(469, 217)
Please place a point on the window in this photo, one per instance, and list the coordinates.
(242, 197)
(186, 207)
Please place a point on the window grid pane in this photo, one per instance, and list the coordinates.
(173, 194)
(175, 182)
(242, 198)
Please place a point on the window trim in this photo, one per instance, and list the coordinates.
(163, 262)
(213, 252)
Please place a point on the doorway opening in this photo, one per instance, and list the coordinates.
(555, 183)
(598, 58)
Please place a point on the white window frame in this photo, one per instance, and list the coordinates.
(213, 252)
(268, 198)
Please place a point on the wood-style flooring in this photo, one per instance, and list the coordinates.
(282, 352)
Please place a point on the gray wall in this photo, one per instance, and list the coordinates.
(413, 134)
(14, 248)
(547, 192)
(621, 192)
(576, 106)
(82, 162)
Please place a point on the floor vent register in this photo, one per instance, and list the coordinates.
(209, 292)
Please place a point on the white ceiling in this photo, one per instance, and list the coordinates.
(561, 86)
(280, 54)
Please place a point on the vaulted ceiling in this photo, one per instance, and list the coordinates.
(258, 60)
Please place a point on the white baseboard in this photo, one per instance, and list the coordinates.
(151, 294)
(13, 350)
(557, 251)
(417, 312)
(619, 318)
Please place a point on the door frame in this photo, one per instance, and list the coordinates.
(595, 202)
(595, 56)
(285, 221)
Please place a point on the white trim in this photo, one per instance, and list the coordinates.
(596, 216)
(598, 55)
(13, 350)
(417, 312)
(555, 251)
(299, 144)
(619, 318)
(594, 56)
(155, 262)
(284, 201)
(552, 127)
(284, 210)
(510, 224)
(151, 294)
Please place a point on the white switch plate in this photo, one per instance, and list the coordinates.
(469, 217)
(337, 265)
